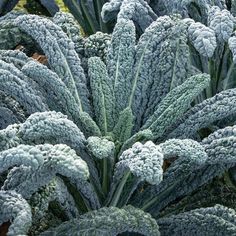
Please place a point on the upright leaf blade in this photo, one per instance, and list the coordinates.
(175, 104)
(146, 56)
(120, 61)
(102, 91)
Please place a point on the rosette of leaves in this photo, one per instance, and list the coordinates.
(97, 154)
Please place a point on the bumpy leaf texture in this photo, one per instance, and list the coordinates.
(146, 89)
(17, 210)
(62, 57)
(129, 9)
(109, 221)
(218, 220)
(44, 161)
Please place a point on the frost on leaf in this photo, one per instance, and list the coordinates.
(203, 39)
(109, 221)
(222, 22)
(17, 210)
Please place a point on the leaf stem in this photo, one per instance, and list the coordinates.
(164, 193)
(209, 89)
(76, 10)
(219, 67)
(105, 176)
(90, 21)
(79, 201)
(226, 80)
(119, 189)
(103, 26)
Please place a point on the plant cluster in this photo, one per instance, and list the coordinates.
(131, 133)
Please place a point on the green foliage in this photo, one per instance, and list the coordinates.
(211, 221)
(88, 143)
(88, 14)
(101, 88)
(210, 29)
(109, 221)
(16, 209)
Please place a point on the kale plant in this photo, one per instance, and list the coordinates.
(211, 32)
(121, 148)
